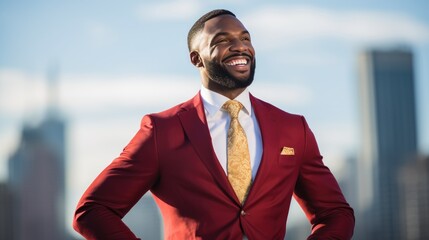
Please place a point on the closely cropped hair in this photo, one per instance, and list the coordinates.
(199, 24)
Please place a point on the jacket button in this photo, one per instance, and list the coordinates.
(243, 213)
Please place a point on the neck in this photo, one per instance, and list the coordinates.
(229, 93)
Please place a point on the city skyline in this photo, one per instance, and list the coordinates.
(36, 182)
(389, 140)
(118, 62)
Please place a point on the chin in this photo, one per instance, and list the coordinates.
(243, 83)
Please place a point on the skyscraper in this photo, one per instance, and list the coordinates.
(37, 177)
(5, 212)
(414, 188)
(389, 136)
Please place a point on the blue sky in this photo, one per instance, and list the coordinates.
(120, 60)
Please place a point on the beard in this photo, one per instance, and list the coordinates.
(220, 75)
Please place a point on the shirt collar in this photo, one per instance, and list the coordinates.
(214, 101)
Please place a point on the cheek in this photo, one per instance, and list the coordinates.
(251, 49)
(217, 55)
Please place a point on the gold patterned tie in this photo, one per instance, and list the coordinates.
(239, 172)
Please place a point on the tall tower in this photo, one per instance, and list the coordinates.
(389, 136)
(5, 212)
(414, 187)
(37, 178)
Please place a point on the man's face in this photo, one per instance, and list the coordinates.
(226, 52)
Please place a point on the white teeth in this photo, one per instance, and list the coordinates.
(237, 62)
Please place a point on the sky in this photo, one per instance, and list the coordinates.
(119, 60)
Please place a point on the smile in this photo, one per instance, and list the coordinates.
(237, 62)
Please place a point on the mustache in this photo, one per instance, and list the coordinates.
(239, 55)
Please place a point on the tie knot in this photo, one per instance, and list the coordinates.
(232, 107)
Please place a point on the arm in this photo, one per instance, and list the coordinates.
(112, 194)
(320, 197)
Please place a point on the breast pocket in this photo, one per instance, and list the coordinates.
(287, 160)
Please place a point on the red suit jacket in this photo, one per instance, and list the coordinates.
(172, 156)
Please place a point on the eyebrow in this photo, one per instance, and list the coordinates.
(227, 33)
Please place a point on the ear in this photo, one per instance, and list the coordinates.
(196, 59)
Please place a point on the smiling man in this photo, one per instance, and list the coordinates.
(223, 165)
(224, 54)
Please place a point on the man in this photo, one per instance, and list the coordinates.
(219, 169)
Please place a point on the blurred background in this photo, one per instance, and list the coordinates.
(77, 76)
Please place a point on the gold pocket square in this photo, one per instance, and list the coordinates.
(287, 151)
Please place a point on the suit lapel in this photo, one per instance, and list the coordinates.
(194, 124)
(269, 140)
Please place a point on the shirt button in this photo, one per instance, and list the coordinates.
(243, 213)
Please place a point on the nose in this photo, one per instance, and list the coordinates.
(238, 46)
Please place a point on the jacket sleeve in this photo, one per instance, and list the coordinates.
(320, 196)
(118, 187)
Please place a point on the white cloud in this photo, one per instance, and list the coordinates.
(283, 94)
(82, 94)
(170, 10)
(290, 25)
(100, 34)
(20, 92)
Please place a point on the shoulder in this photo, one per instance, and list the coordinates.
(289, 123)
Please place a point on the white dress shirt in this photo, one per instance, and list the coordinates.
(218, 123)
